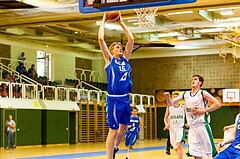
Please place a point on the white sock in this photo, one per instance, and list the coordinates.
(128, 154)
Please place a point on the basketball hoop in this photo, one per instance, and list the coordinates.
(146, 16)
(230, 99)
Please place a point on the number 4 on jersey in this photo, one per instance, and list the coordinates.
(124, 77)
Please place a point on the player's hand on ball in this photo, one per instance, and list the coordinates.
(120, 18)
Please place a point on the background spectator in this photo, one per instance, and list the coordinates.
(22, 58)
(8, 78)
(10, 129)
(22, 69)
(32, 72)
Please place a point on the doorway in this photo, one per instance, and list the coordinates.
(44, 64)
(73, 127)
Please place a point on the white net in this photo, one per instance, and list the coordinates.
(146, 16)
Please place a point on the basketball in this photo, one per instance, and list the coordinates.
(113, 16)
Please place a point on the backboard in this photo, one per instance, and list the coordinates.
(93, 6)
(231, 95)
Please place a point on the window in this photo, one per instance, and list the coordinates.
(44, 64)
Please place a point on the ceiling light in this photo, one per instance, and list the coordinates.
(226, 12)
(216, 9)
(211, 30)
(183, 47)
(184, 12)
(182, 37)
(132, 20)
(111, 26)
(161, 35)
(233, 19)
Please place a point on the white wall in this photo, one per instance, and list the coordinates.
(98, 65)
(60, 62)
(64, 57)
(30, 54)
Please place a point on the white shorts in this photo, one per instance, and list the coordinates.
(176, 135)
(201, 142)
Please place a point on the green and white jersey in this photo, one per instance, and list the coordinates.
(176, 116)
(195, 101)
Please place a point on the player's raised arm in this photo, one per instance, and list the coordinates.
(130, 42)
(168, 98)
(176, 100)
(103, 46)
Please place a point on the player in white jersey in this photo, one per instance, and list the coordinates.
(200, 137)
(174, 122)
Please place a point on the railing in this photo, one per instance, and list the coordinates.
(30, 91)
(80, 83)
(68, 75)
(18, 90)
(89, 85)
(73, 94)
(142, 99)
(93, 76)
(49, 93)
(10, 65)
(39, 86)
(7, 69)
(21, 77)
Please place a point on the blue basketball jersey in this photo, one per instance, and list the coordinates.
(118, 75)
(135, 123)
(232, 151)
(236, 143)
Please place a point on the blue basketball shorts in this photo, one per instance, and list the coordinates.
(118, 111)
(130, 139)
(229, 153)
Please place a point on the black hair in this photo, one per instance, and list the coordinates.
(134, 108)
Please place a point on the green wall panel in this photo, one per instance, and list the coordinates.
(29, 127)
(1, 128)
(56, 126)
(160, 122)
(72, 130)
(221, 117)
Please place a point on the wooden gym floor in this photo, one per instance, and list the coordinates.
(147, 149)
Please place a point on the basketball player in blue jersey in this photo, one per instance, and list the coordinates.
(134, 129)
(232, 151)
(118, 72)
(200, 137)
